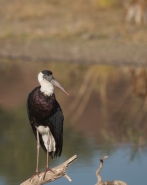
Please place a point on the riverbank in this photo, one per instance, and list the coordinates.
(57, 31)
(85, 52)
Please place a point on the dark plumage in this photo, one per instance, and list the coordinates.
(46, 111)
(46, 117)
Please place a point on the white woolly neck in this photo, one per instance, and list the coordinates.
(46, 87)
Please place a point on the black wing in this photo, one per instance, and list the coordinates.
(31, 119)
(55, 123)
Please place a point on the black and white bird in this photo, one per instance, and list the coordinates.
(46, 117)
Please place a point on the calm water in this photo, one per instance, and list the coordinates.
(105, 114)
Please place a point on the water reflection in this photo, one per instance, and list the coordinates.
(106, 110)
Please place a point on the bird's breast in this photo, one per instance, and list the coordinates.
(40, 105)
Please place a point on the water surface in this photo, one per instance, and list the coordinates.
(105, 114)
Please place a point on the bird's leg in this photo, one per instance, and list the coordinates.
(47, 160)
(47, 165)
(38, 148)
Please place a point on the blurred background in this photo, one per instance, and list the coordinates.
(97, 50)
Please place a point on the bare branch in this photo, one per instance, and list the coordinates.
(59, 171)
(100, 182)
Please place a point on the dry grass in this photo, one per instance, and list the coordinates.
(78, 20)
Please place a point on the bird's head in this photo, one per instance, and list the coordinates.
(47, 81)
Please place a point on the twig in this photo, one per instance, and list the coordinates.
(59, 171)
(100, 182)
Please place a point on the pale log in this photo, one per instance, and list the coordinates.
(59, 171)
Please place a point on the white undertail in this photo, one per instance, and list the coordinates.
(44, 132)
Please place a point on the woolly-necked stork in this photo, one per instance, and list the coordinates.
(46, 117)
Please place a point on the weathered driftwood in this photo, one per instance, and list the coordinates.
(100, 182)
(59, 171)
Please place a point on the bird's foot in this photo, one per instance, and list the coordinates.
(46, 170)
(36, 173)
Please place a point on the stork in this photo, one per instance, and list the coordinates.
(46, 117)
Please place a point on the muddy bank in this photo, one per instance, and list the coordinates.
(74, 51)
(81, 33)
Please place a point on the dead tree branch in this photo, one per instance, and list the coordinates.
(59, 171)
(100, 182)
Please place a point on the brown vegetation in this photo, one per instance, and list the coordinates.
(93, 31)
(136, 11)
